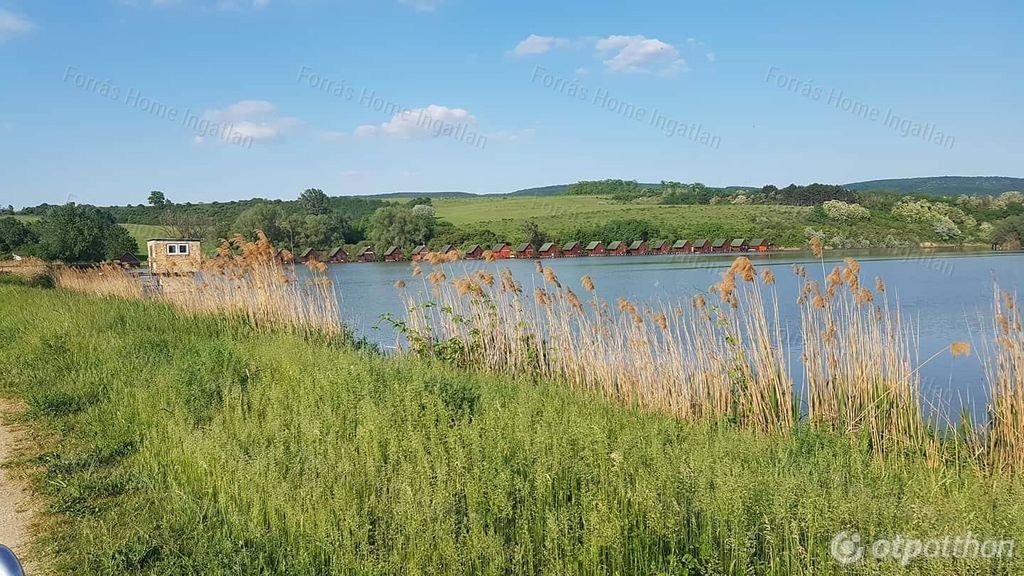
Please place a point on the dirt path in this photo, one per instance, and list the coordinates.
(15, 496)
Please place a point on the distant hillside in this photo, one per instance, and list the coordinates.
(541, 191)
(420, 195)
(944, 185)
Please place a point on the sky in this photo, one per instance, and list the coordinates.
(102, 101)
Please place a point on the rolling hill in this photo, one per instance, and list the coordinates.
(944, 185)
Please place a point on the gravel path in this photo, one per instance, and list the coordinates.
(15, 496)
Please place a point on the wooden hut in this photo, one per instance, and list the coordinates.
(447, 249)
(572, 249)
(524, 251)
(337, 256)
(548, 250)
(617, 248)
(739, 245)
(661, 247)
(394, 254)
(309, 255)
(366, 254)
(701, 247)
(760, 245)
(682, 247)
(637, 248)
(720, 245)
(474, 252)
(502, 251)
(129, 259)
(174, 255)
(419, 253)
(595, 248)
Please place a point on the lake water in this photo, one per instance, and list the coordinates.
(947, 296)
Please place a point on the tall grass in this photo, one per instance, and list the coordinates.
(1003, 440)
(724, 356)
(245, 279)
(177, 444)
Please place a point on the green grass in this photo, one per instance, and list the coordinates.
(174, 445)
(559, 215)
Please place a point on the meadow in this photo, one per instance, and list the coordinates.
(170, 443)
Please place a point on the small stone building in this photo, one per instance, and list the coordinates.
(174, 255)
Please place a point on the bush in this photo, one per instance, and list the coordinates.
(844, 212)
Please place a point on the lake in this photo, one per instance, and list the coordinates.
(947, 296)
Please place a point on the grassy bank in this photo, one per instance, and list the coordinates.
(176, 445)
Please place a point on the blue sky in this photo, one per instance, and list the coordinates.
(105, 100)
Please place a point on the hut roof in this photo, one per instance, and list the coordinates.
(364, 250)
(499, 247)
(593, 245)
(307, 252)
(659, 244)
(680, 244)
(391, 250)
(718, 243)
(546, 246)
(420, 249)
(570, 245)
(524, 247)
(700, 243)
(129, 258)
(614, 245)
(473, 248)
(759, 242)
(336, 251)
(636, 244)
(738, 242)
(173, 240)
(446, 249)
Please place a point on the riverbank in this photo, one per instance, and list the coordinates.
(181, 444)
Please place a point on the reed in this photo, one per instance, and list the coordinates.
(246, 279)
(722, 356)
(1002, 441)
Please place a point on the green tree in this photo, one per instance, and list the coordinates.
(401, 226)
(73, 233)
(157, 199)
(265, 217)
(14, 235)
(1009, 231)
(314, 201)
(534, 235)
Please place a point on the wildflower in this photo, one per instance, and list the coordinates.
(960, 349)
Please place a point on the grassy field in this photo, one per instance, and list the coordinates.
(141, 232)
(560, 215)
(176, 445)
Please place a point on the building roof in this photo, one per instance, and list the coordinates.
(659, 244)
(699, 243)
(364, 250)
(419, 249)
(473, 248)
(307, 252)
(593, 245)
(524, 247)
(572, 244)
(636, 244)
(547, 246)
(759, 242)
(680, 244)
(614, 245)
(499, 247)
(173, 240)
(336, 251)
(446, 249)
(391, 250)
(718, 243)
(738, 242)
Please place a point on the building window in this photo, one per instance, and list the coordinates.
(183, 249)
(172, 248)
(177, 249)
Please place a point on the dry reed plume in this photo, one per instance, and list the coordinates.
(248, 279)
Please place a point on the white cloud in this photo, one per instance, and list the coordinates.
(421, 5)
(710, 56)
(416, 123)
(539, 45)
(12, 24)
(250, 119)
(639, 54)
